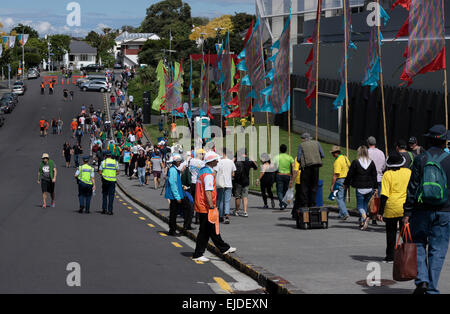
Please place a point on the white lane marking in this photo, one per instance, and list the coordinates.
(243, 282)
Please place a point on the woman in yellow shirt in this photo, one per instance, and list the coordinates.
(393, 196)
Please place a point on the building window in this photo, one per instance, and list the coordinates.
(71, 58)
(84, 58)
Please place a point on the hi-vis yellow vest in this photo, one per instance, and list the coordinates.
(109, 169)
(85, 174)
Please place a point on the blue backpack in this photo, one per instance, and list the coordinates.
(433, 189)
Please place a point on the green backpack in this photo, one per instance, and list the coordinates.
(433, 189)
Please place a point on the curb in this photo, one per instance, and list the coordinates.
(272, 283)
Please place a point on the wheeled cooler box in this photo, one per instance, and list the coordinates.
(312, 218)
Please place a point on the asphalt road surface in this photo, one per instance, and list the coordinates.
(116, 254)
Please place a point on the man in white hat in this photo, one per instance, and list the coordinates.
(47, 178)
(206, 207)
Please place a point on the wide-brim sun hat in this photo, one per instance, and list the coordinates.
(395, 160)
(438, 132)
(210, 157)
(335, 149)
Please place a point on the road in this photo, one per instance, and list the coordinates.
(124, 253)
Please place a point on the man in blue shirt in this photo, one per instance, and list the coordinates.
(174, 193)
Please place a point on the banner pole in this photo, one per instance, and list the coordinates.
(346, 76)
(382, 85)
(317, 69)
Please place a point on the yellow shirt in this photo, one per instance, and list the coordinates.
(394, 187)
(243, 122)
(297, 168)
(341, 166)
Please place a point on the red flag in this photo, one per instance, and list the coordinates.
(235, 114)
(235, 89)
(312, 58)
(404, 30)
(404, 3)
(234, 102)
(426, 44)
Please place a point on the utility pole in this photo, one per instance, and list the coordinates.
(23, 53)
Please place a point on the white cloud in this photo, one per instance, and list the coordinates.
(7, 22)
(43, 27)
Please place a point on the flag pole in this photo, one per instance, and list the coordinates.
(319, 3)
(381, 82)
(289, 117)
(346, 76)
(446, 98)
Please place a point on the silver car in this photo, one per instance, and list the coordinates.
(89, 78)
(33, 74)
(95, 85)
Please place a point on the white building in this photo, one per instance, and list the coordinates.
(128, 46)
(81, 54)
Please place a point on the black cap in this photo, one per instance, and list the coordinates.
(438, 132)
(402, 144)
(412, 140)
(107, 153)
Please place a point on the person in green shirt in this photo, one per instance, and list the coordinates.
(285, 165)
(119, 136)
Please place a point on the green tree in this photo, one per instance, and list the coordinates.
(25, 29)
(104, 43)
(59, 46)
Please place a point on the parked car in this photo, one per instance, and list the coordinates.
(12, 95)
(95, 85)
(5, 106)
(19, 88)
(92, 68)
(10, 99)
(2, 118)
(33, 74)
(90, 78)
(118, 66)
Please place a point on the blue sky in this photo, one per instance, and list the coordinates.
(49, 16)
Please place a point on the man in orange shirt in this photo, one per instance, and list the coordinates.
(42, 126)
(206, 207)
(74, 127)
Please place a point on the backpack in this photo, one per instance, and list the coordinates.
(433, 188)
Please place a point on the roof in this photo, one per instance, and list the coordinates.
(81, 47)
(129, 36)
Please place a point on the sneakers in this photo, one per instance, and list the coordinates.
(388, 261)
(230, 250)
(234, 212)
(53, 205)
(201, 259)
(265, 207)
(227, 221)
(243, 214)
(273, 204)
(365, 225)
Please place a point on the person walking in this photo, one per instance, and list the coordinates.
(206, 206)
(401, 147)
(340, 169)
(174, 193)
(77, 152)
(86, 185)
(430, 213)
(140, 166)
(393, 196)
(242, 182)
(47, 178)
(378, 157)
(224, 180)
(285, 165)
(309, 155)
(67, 153)
(79, 135)
(266, 180)
(157, 167)
(109, 169)
(362, 176)
(60, 125)
(414, 147)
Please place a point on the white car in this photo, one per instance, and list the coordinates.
(19, 88)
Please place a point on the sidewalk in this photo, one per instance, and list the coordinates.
(304, 261)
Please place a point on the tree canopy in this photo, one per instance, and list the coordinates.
(25, 29)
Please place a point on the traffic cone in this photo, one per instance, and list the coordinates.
(62, 82)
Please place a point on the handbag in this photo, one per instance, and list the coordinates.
(374, 205)
(405, 257)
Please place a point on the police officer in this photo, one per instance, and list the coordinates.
(109, 169)
(86, 184)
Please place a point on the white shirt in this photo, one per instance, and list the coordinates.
(194, 166)
(82, 120)
(225, 169)
(209, 182)
(131, 98)
(132, 138)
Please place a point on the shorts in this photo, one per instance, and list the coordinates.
(47, 186)
(42, 129)
(240, 191)
(157, 174)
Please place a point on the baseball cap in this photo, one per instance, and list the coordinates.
(201, 151)
(412, 140)
(335, 149)
(85, 158)
(438, 132)
(45, 156)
